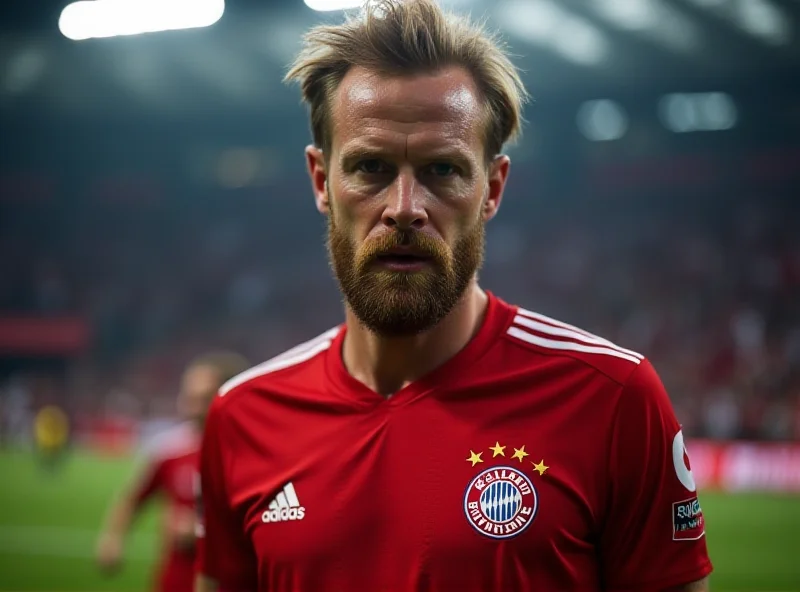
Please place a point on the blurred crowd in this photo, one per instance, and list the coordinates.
(710, 292)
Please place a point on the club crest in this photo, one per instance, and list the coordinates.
(501, 502)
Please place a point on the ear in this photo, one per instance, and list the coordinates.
(315, 161)
(498, 175)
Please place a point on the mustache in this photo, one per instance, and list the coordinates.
(413, 239)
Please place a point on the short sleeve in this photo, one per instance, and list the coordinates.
(654, 532)
(224, 554)
(149, 481)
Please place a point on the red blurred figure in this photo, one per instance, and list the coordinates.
(170, 472)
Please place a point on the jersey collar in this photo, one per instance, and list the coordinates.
(454, 371)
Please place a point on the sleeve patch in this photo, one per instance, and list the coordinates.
(687, 520)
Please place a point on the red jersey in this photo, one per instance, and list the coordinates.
(171, 471)
(540, 457)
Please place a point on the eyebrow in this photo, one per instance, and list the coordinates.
(358, 152)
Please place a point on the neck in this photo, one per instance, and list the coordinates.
(386, 365)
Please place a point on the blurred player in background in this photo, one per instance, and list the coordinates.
(51, 435)
(441, 439)
(171, 472)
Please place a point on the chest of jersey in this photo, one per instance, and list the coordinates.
(470, 490)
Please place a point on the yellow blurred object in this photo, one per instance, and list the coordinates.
(51, 427)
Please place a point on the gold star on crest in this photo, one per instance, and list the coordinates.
(497, 450)
(475, 458)
(519, 453)
(540, 467)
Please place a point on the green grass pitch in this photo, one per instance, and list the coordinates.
(48, 522)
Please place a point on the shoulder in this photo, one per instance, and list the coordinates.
(543, 338)
(174, 442)
(293, 363)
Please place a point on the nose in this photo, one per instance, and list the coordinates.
(405, 203)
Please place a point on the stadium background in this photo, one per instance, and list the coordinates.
(153, 204)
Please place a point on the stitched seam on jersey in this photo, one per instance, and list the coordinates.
(608, 490)
(609, 445)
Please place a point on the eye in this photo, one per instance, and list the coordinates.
(372, 166)
(442, 169)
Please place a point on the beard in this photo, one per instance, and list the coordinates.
(398, 303)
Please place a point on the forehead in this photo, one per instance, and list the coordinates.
(423, 110)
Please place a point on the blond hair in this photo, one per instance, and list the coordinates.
(404, 37)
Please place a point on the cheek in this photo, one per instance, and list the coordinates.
(457, 218)
(342, 221)
(354, 220)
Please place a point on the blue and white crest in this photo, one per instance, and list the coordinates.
(501, 502)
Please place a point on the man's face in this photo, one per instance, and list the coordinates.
(407, 192)
(198, 387)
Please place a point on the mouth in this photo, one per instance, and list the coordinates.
(403, 261)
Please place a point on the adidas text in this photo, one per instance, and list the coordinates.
(279, 515)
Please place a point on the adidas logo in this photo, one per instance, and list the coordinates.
(285, 506)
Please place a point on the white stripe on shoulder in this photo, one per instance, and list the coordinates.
(545, 324)
(329, 335)
(568, 345)
(296, 355)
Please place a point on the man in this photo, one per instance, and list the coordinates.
(440, 439)
(171, 471)
(51, 435)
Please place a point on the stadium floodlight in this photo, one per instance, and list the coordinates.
(763, 19)
(653, 19)
(553, 27)
(90, 19)
(602, 120)
(329, 5)
(707, 112)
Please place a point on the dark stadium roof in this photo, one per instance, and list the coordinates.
(584, 47)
